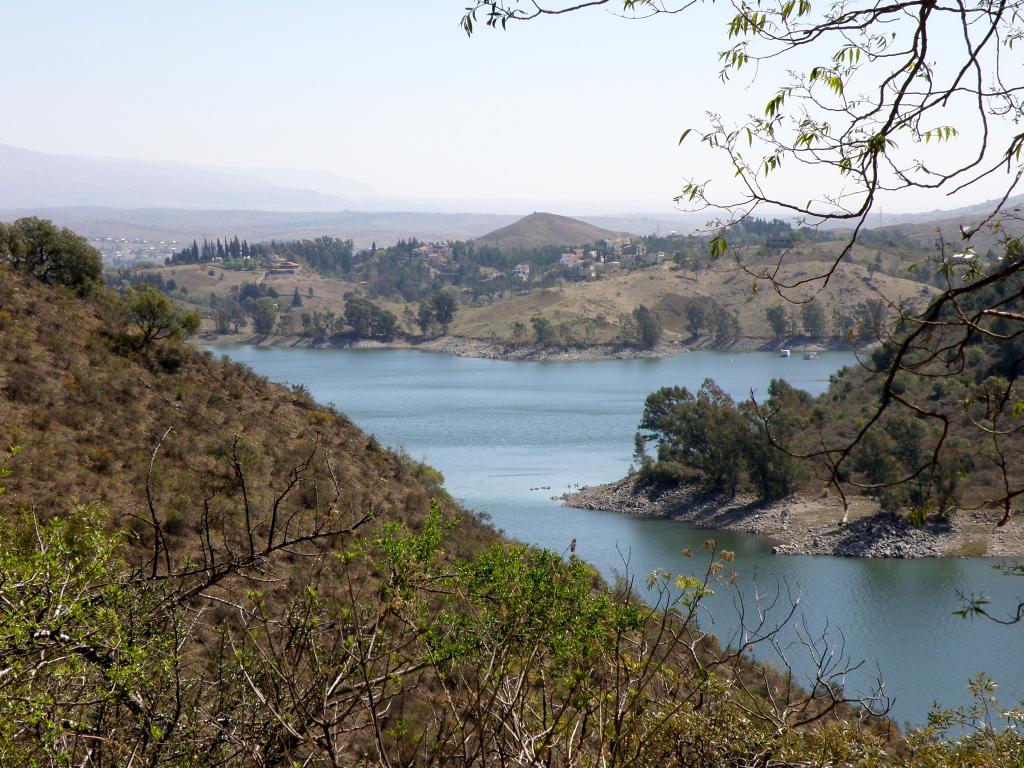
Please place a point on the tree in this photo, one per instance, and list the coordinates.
(648, 327)
(54, 256)
(425, 317)
(773, 431)
(725, 325)
(368, 320)
(264, 315)
(814, 319)
(543, 331)
(359, 314)
(228, 314)
(518, 331)
(444, 306)
(696, 316)
(155, 317)
(778, 321)
(871, 318)
(296, 299)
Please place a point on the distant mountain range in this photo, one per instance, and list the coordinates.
(31, 179)
(156, 224)
(544, 229)
(965, 215)
(136, 199)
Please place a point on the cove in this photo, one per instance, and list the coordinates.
(498, 429)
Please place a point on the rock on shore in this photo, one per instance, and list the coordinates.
(796, 525)
(457, 346)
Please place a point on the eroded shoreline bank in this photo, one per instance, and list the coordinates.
(799, 525)
(461, 346)
(456, 346)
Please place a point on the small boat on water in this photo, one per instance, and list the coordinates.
(783, 353)
(810, 355)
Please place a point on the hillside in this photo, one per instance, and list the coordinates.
(591, 310)
(926, 235)
(88, 409)
(547, 229)
(317, 292)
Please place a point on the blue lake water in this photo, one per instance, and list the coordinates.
(498, 429)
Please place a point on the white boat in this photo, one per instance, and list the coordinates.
(783, 353)
(810, 355)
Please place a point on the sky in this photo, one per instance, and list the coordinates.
(579, 112)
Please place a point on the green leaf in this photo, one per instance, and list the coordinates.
(719, 246)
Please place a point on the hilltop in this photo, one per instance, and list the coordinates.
(547, 229)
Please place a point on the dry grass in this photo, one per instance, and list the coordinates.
(598, 305)
(88, 411)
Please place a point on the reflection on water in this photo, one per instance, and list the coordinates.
(498, 429)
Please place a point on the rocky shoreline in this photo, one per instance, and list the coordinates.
(456, 346)
(462, 346)
(459, 346)
(801, 526)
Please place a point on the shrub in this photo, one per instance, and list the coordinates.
(24, 384)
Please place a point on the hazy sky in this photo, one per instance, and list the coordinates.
(580, 112)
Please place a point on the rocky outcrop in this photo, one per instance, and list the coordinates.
(882, 535)
(796, 525)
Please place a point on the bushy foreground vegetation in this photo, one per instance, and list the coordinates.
(381, 650)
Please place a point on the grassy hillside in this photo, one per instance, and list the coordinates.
(200, 280)
(591, 310)
(89, 408)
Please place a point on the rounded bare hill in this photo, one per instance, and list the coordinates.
(547, 229)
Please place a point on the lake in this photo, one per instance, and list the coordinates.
(499, 429)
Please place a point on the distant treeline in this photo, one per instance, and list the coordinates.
(412, 270)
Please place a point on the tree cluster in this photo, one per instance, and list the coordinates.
(705, 437)
(56, 256)
(439, 309)
(648, 326)
(369, 321)
(709, 317)
(230, 249)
